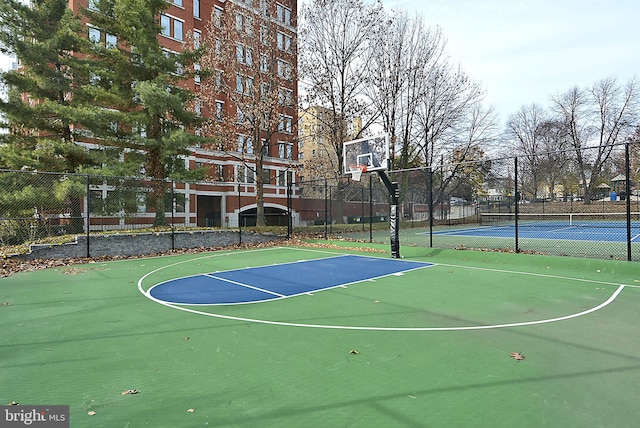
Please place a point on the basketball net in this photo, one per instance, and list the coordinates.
(356, 171)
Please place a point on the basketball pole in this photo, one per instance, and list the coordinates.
(394, 220)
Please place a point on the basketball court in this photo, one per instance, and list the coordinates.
(352, 338)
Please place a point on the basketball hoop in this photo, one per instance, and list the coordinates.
(356, 171)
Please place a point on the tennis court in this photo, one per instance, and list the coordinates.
(610, 227)
(345, 337)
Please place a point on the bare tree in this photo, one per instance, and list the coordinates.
(252, 67)
(597, 119)
(403, 55)
(334, 39)
(523, 131)
(449, 112)
(555, 160)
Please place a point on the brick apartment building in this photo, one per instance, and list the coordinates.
(228, 197)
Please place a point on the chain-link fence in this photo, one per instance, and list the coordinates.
(561, 203)
(552, 203)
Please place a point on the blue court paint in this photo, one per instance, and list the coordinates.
(569, 233)
(277, 281)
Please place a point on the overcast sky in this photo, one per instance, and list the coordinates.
(524, 51)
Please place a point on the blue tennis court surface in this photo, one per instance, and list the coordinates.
(565, 232)
(264, 283)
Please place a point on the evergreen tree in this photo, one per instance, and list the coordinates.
(41, 96)
(108, 83)
(148, 109)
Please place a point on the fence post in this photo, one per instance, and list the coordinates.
(326, 236)
(239, 215)
(88, 217)
(370, 211)
(289, 222)
(173, 216)
(430, 207)
(362, 206)
(517, 209)
(627, 172)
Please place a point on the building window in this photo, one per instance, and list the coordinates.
(284, 69)
(111, 41)
(264, 35)
(264, 63)
(244, 23)
(196, 75)
(240, 115)
(197, 37)
(177, 29)
(219, 172)
(285, 97)
(244, 55)
(100, 38)
(245, 144)
(245, 174)
(171, 27)
(239, 85)
(286, 124)
(94, 35)
(196, 8)
(217, 16)
(284, 42)
(177, 2)
(219, 111)
(264, 90)
(285, 150)
(165, 23)
(283, 14)
(244, 84)
(240, 53)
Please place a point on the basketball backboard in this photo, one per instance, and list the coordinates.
(366, 154)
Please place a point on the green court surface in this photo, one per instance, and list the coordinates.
(427, 348)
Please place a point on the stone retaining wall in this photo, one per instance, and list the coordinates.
(135, 244)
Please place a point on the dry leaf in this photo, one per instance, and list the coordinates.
(91, 413)
(518, 356)
(129, 391)
(13, 403)
(191, 410)
(186, 338)
(354, 352)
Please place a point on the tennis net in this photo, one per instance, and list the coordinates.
(556, 220)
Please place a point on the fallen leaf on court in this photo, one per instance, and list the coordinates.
(376, 301)
(5, 303)
(518, 356)
(129, 391)
(186, 338)
(191, 410)
(91, 413)
(13, 403)
(354, 352)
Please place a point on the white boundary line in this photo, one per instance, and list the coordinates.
(242, 284)
(347, 327)
(371, 328)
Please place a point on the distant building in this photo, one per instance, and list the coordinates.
(232, 192)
